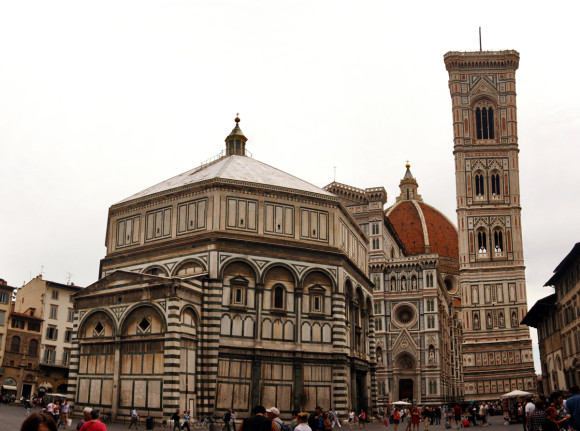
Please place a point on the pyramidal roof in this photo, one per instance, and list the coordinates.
(234, 168)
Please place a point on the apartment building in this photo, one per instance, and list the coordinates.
(53, 302)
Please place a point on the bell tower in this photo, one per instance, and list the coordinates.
(497, 350)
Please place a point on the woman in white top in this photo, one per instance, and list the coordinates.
(351, 419)
(302, 422)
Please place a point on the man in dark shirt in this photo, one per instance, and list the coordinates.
(315, 419)
(258, 421)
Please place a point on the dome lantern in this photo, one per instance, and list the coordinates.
(236, 141)
(409, 186)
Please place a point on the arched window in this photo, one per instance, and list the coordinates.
(156, 271)
(498, 241)
(33, 347)
(278, 297)
(392, 252)
(482, 242)
(495, 190)
(479, 185)
(484, 122)
(15, 344)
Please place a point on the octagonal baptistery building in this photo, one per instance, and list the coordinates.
(230, 285)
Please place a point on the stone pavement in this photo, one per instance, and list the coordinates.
(12, 416)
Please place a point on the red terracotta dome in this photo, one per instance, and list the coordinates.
(422, 228)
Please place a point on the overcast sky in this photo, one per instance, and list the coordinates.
(100, 100)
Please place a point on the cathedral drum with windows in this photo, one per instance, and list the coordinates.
(497, 350)
(230, 285)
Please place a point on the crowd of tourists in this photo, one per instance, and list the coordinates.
(558, 412)
(46, 421)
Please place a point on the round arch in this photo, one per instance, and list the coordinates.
(184, 262)
(321, 270)
(270, 266)
(348, 287)
(144, 305)
(190, 320)
(90, 314)
(156, 267)
(238, 259)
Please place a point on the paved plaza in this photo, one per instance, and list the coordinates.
(12, 416)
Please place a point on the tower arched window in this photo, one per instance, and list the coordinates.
(482, 242)
(484, 122)
(495, 189)
(498, 241)
(479, 185)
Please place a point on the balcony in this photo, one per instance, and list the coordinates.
(53, 363)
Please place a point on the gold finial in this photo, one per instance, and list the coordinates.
(407, 165)
(237, 120)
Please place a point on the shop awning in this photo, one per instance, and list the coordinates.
(10, 388)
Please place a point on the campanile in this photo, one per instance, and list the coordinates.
(497, 349)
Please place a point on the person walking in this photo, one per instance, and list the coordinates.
(457, 413)
(426, 417)
(415, 418)
(176, 417)
(185, 417)
(362, 418)
(227, 419)
(351, 419)
(134, 419)
(56, 411)
(64, 412)
(396, 418)
(335, 418)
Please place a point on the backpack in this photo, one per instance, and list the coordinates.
(283, 425)
(331, 416)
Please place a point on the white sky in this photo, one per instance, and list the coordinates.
(99, 100)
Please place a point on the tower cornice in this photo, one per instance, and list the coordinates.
(476, 61)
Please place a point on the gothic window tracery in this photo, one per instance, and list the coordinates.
(498, 240)
(479, 184)
(495, 185)
(482, 242)
(484, 121)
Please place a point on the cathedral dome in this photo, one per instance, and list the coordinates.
(421, 228)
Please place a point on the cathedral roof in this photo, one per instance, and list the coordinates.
(422, 228)
(232, 168)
